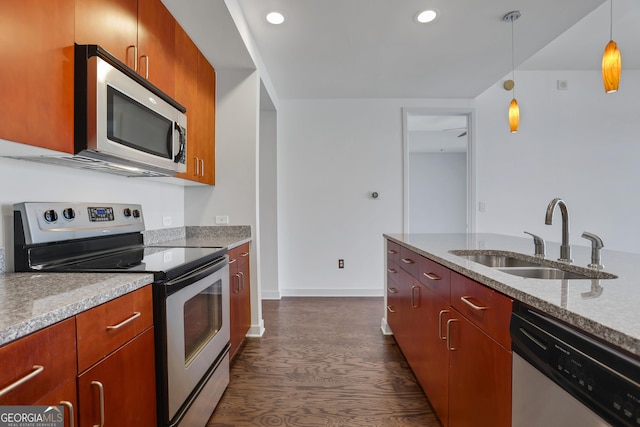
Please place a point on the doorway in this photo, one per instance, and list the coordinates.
(437, 172)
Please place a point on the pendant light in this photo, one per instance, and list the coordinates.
(611, 62)
(514, 109)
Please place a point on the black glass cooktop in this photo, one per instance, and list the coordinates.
(164, 263)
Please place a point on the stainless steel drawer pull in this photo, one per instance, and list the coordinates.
(231, 261)
(244, 254)
(413, 299)
(393, 290)
(391, 310)
(408, 261)
(135, 315)
(146, 69)
(391, 270)
(101, 394)
(432, 276)
(449, 322)
(36, 370)
(69, 406)
(442, 337)
(472, 305)
(392, 252)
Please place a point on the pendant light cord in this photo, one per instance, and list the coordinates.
(513, 61)
(611, 22)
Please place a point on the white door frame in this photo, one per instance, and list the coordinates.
(471, 159)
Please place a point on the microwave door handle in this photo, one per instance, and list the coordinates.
(181, 152)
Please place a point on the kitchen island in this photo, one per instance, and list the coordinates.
(604, 308)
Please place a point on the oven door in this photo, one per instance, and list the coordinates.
(196, 331)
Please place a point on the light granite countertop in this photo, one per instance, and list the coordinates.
(608, 309)
(32, 301)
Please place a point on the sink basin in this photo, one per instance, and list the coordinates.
(498, 261)
(528, 266)
(541, 272)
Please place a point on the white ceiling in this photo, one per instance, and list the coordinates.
(374, 48)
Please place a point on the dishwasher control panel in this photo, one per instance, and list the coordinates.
(603, 378)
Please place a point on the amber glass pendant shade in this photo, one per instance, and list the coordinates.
(514, 116)
(611, 67)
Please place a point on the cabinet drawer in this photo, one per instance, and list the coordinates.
(106, 327)
(393, 252)
(435, 276)
(410, 261)
(238, 256)
(486, 308)
(43, 361)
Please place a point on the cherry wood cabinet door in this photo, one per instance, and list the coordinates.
(479, 378)
(206, 119)
(186, 91)
(156, 45)
(240, 304)
(112, 24)
(434, 375)
(36, 73)
(65, 396)
(43, 361)
(123, 385)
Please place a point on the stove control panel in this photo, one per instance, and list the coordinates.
(44, 222)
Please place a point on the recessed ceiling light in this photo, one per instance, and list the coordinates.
(427, 16)
(275, 18)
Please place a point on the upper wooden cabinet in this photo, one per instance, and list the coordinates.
(140, 33)
(195, 89)
(36, 73)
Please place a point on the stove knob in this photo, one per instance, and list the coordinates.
(50, 215)
(127, 212)
(136, 213)
(69, 213)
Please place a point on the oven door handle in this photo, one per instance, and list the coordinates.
(178, 283)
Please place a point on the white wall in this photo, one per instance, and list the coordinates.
(24, 181)
(331, 155)
(438, 192)
(581, 145)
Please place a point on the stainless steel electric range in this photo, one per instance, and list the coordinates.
(190, 291)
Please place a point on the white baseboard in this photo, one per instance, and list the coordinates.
(271, 295)
(384, 327)
(256, 331)
(331, 292)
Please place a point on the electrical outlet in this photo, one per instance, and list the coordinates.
(222, 219)
(340, 263)
(166, 221)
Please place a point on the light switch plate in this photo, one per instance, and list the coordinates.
(222, 219)
(166, 221)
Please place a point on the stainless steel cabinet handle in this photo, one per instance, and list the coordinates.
(36, 370)
(391, 270)
(241, 280)
(392, 252)
(196, 172)
(442, 337)
(472, 305)
(392, 290)
(432, 276)
(244, 254)
(237, 287)
(146, 70)
(69, 406)
(101, 394)
(391, 310)
(231, 261)
(408, 261)
(449, 322)
(135, 315)
(135, 56)
(413, 299)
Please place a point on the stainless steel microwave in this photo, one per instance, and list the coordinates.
(122, 121)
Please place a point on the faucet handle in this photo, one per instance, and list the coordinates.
(596, 245)
(539, 245)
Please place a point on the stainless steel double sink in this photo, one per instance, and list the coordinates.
(529, 266)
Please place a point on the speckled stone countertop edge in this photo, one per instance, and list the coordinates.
(88, 292)
(626, 341)
(228, 236)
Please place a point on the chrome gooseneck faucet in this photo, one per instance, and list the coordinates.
(565, 249)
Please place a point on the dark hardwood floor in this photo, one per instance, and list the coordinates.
(322, 362)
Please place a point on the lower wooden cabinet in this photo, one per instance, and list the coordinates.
(454, 333)
(40, 369)
(240, 295)
(99, 365)
(122, 387)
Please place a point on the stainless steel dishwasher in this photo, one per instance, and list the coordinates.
(562, 377)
